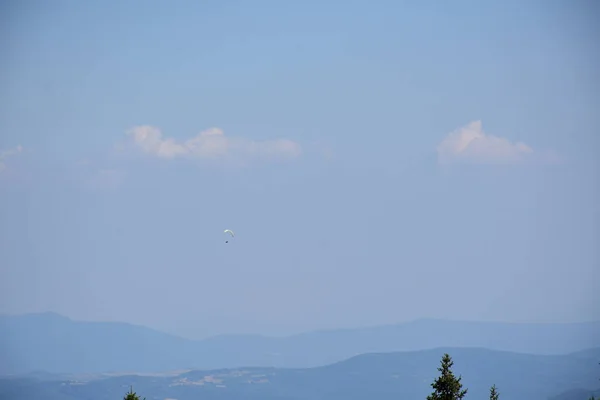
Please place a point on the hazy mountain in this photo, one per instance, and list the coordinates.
(405, 375)
(52, 343)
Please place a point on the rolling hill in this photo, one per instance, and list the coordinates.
(56, 344)
(381, 376)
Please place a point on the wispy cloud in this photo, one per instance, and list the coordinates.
(5, 154)
(211, 144)
(472, 145)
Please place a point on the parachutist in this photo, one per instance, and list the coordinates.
(229, 232)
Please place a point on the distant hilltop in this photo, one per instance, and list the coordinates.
(397, 375)
(53, 343)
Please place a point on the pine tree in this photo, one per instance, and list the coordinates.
(131, 395)
(494, 395)
(447, 386)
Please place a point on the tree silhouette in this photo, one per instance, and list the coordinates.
(447, 386)
(131, 395)
(494, 395)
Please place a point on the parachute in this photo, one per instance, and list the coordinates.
(230, 232)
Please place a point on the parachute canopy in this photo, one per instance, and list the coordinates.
(229, 231)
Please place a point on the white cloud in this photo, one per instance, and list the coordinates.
(4, 154)
(211, 144)
(471, 144)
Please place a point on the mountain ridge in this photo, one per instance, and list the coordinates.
(54, 343)
(384, 376)
(58, 316)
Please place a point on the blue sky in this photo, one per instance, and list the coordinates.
(378, 161)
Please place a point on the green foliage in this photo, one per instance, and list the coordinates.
(494, 395)
(131, 395)
(447, 386)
